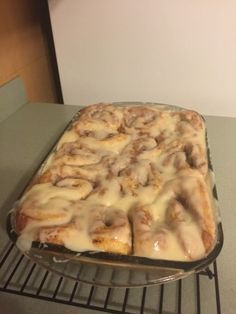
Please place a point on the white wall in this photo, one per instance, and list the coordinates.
(171, 51)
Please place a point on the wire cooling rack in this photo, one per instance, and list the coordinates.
(21, 276)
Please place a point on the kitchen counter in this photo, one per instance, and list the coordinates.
(26, 136)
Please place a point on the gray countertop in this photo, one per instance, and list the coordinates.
(30, 132)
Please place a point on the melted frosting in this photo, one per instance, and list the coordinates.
(131, 159)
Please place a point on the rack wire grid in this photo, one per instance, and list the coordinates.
(21, 276)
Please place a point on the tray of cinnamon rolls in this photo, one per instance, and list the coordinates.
(127, 185)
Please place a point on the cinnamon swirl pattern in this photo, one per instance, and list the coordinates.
(126, 180)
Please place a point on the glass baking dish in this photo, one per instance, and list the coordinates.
(114, 270)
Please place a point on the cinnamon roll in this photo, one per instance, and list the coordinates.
(191, 196)
(142, 120)
(187, 230)
(110, 230)
(180, 155)
(153, 238)
(189, 122)
(126, 180)
(100, 119)
(45, 204)
(76, 154)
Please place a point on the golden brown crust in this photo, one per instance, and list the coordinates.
(21, 221)
(111, 245)
(55, 235)
(110, 230)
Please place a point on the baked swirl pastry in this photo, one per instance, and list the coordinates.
(126, 180)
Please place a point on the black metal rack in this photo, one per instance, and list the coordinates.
(19, 275)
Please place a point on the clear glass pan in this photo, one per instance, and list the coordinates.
(106, 269)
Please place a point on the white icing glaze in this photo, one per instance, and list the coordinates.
(68, 136)
(132, 162)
